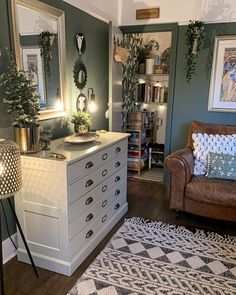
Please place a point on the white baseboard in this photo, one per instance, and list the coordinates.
(8, 248)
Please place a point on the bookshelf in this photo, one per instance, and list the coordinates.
(152, 88)
(141, 136)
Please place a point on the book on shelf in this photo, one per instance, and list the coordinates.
(151, 93)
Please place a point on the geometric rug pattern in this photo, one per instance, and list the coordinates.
(154, 174)
(146, 257)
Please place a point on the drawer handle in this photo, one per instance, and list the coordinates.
(104, 203)
(89, 234)
(89, 217)
(117, 206)
(89, 183)
(104, 172)
(117, 192)
(104, 157)
(89, 201)
(104, 188)
(104, 218)
(117, 178)
(117, 150)
(117, 164)
(89, 165)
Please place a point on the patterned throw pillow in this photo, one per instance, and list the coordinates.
(221, 166)
(204, 143)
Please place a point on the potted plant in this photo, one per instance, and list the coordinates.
(194, 39)
(144, 53)
(23, 102)
(81, 121)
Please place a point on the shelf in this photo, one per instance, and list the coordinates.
(137, 143)
(133, 130)
(150, 102)
(152, 75)
(157, 153)
(144, 135)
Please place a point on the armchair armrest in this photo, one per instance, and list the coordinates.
(180, 166)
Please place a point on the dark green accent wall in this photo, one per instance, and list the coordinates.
(191, 100)
(95, 59)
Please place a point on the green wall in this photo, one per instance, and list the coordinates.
(191, 100)
(95, 59)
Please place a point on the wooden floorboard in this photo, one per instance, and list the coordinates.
(146, 199)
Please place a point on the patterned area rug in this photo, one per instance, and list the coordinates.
(156, 258)
(154, 174)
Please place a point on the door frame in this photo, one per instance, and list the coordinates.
(173, 28)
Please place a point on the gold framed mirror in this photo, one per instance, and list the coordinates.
(39, 43)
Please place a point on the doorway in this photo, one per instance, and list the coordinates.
(166, 37)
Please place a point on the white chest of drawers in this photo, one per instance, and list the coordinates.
(66, 207)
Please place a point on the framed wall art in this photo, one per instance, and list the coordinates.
(222, 95)
(32, 63)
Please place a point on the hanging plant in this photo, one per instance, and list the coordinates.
(129, 70)
(45, 43)
(195, 36)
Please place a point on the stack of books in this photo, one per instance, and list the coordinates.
(151, 93)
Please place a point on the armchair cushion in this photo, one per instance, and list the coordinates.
(204, 143)
(211, 191)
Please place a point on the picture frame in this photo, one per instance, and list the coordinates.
(33, 63)
(222, 94)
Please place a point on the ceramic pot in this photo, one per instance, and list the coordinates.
(81, 129)
(28, 138)
(149, 65)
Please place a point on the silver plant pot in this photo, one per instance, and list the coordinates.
(28, 139)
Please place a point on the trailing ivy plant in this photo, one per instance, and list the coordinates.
(20, 95)
(45, 44)
(129, 70)
(195, 36)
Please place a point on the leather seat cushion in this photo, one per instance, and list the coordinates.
(212, 191)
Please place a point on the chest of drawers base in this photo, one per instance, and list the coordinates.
(64, 216)
(67, 268)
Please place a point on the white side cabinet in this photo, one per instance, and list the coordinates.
(66, 207)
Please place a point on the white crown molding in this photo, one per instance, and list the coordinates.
(184, 23)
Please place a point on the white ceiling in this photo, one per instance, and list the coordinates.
(122, 12)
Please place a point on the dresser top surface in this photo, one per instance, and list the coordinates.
(74, 152)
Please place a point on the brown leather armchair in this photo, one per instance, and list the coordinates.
(215, 198)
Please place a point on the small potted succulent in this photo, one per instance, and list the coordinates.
(20, 95)
(81, 121)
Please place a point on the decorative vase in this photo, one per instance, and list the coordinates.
(81, 129)
(28, 138)
(141, 68)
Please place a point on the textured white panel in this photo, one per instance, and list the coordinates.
(42, 230)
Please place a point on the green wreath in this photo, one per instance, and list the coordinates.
(80, 75)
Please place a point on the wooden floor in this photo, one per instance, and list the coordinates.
(146, 199)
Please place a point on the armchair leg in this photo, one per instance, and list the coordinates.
(177, 213)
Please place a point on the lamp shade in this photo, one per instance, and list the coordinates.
(10, 168)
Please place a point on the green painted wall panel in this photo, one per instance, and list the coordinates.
(191, 100)
(95, 59)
